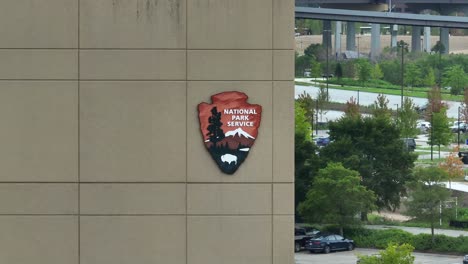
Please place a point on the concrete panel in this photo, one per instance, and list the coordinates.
(258, 165)
(132, 198)
(38, 64)
(283, 65)
(132, 24)
(133, 239)
(227, 24)
(232, 239)
(283, 243)
(229, 199)
(133, 131)
(39, 239)
(39, 24)
(132, 64)
(229, 65)
(283, 24)
(283, 198)
(38, 198)
(39, 135)
(283, 132)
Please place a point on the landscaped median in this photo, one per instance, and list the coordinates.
(380, 239)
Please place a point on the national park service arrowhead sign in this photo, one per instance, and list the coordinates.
(229, 126)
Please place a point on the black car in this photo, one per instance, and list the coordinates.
(465, 259)
(410, 144)
(328, 243)
(302, 235)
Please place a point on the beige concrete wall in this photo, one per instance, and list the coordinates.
(101, 158)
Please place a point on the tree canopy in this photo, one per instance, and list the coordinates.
(393, 254)
(336, 196)
(407, 118)
(305, 158)
(372, 146)
(455, 78)
(427, 192)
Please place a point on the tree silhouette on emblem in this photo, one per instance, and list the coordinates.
(215, 133)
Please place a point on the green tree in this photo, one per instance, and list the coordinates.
(322, 101)
(380, 107)
(364, 70)
(429, 79)
(435, 104)
(336, 197)
(456, 78)
(427, 192)
(306, 160)
(393, 254)
(352, 108)
(464, 107)
(440, 130)
(316, 69)
(412, 75)
(372, 146)
(301, 64)
(308, 104)
(439, 48)
(392, 71)
(339, 71)
(302, 124)
(407, 118)
(377, 72)
(316, 51)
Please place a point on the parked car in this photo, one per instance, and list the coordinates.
(458, 125)
(328, 243)
(423, 126)
(300, 238)
(465, 259)
(322, 141)
(302, 234)
(410, 143)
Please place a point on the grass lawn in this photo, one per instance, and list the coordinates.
(414, 92)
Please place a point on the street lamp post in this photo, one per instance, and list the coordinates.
(327, 36)
(358, 53)
(458, 128)
(404, 47)
(432, 134)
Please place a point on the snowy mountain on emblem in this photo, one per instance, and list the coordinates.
(239, 132)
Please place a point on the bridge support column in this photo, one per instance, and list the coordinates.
(416, 39)
(326, 36)
(427, 39)
(375, 41)
(351, 36)
(337, 38)
(444, 39)
(393, 38)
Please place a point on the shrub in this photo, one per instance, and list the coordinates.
(368, 238)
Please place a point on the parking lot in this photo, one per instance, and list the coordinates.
(350, 257)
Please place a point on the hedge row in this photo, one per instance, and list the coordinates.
(368, 238)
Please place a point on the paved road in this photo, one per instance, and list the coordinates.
(365, 98)
(419, 230)
(349, 257)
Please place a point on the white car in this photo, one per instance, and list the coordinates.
(423, 126)
(458, 125)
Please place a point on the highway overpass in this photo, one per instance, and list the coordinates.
(417, 21)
